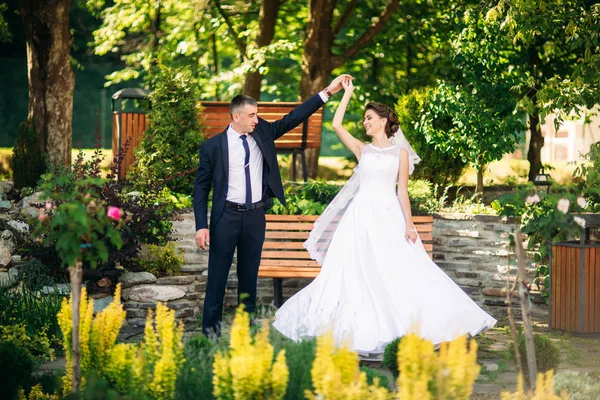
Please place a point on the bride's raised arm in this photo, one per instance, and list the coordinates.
(352, 143)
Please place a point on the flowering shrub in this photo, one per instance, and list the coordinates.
(336, 374)
(545, 218)
(149, 368)
(247, 370)
(425, 374)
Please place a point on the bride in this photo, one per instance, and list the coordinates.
(377, 282)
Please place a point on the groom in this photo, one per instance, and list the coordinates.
(241, 165)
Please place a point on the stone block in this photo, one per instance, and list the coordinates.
(467, 274)
(176, 280)
(129, 279)
(152, 293)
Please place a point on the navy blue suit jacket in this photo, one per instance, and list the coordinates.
(214, 163)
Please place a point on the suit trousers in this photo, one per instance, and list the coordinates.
(244, 230)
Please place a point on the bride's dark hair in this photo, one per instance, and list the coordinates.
(384, 111)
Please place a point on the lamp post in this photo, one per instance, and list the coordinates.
(543, 179)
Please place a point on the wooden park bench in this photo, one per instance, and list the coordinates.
(284, 256)
(305, 136)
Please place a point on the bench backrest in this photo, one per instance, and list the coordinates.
(284, 256)
(305, 136)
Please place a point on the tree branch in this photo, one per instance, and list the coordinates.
(344, 17)
(236, 37)
(369, 34)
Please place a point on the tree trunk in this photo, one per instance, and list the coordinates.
(536, 142)
(76, 275)
(267, 19)
(51, 78)
(479, 186)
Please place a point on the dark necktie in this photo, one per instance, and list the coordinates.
(247, 170)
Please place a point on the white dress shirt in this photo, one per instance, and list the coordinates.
(237, 178)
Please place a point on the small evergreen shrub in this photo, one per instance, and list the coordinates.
(37, 344)
(28, 162)
(195, 379)
(164, 260)
(547, 354)
(390, 356)
(170, 144)
(17, 366)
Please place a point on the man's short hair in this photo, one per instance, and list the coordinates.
(239, 102)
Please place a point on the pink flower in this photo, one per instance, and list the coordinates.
(532, 199)
(48, 205)
(579, 221)
(563, 205)
(581, 202)
(42, 216)
(114, 213)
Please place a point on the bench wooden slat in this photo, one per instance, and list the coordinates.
(286, 235)
(295, 255)
(290, 263)
(290, 226)
(283, 245)
(287, 273)
(273, 218)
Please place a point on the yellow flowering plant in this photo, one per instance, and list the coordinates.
(544, 389)
(246, 370)
(425, 374)
(336, 374)
(149, 368)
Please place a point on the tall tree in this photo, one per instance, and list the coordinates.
(51, 78)
(321, 55)
(559, 42)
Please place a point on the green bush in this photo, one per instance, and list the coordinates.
(169, 148)
(195, 379)
(37, 344)
(36, 312)
(547, 354)
(16, 367)
(590, 172)
(373, 373)
(28, 162)
(578, 386)
(35, 275)
(390, 356)
(163, 260)
(436, 166)
(299, 357)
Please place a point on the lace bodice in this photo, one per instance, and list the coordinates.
(379, 169)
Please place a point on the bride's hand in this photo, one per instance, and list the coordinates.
(348, 85)
(412, 236)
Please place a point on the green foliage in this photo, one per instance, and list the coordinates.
(425, 198)
(38, 344)
(5, 35)
(163, 260)
(169, 147)
(309, 198)
(37, 313)
(373, 374)
(390, 356)
(544, 219)
(298, 355)
(17, 367)
(34, 275)
(195, 379)
(437, 166)
(78, 224)
(474, 115)
(589, 170)
(28, 162)
(579, 386)
(547, 354)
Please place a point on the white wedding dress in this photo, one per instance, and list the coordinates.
(374, 285)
